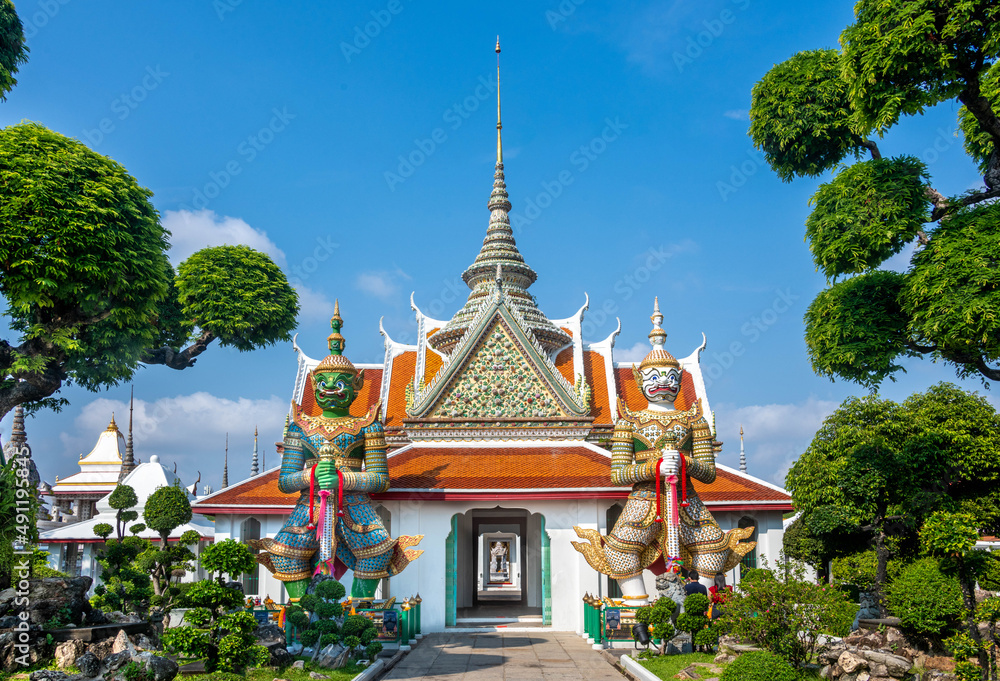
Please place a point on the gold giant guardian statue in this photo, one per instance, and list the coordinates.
(657, 451)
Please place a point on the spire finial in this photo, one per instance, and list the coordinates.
(128, 463)
(743, 455)
(335, 341)
(254, 469)
(499, 126)
(225, 466)
(657, 337)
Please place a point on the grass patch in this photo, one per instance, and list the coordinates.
(344, 674)
(665, 666)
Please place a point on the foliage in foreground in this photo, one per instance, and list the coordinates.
(785, 614)
(758, 666)
(823, 110)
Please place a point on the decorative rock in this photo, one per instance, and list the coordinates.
(944, 664)
(270, 634)
(334, 656)
(280, 657)
(298, 664)
(101, 649)
(88, 664)
(317, 675)
(122, 643)
(8, 622)
(143, 642)
(159, 668)
(850, 662)
(49, 675)
(67, 652)
(689, 672)
(896, 665)
(294, 649)
(116, 661)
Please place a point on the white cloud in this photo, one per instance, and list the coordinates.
(636, 353)
(313, 304)
(381, 283)
(192, 231)
(737, 114)
(775, 434)
(189, 430)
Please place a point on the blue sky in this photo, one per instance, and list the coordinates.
(363, 162)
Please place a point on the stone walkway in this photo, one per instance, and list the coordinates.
(517, 656)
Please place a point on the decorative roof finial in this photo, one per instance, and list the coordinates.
(743, 455)
(225, 466)
(128, 463)
(336, 361)
(112, 427)
(254, 470)
(499, 126)
(658, 356)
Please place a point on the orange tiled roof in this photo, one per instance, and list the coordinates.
(542, 467)
(564, 363)
(403, 368)
(432, 364)
(508, 468)
(600, 406)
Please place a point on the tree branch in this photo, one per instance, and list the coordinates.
(179, 360)
(943, 207)
(873, 148)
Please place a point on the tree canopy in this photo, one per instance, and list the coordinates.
(90, 291)
(819, 109)
(877, 469)
(13, 51)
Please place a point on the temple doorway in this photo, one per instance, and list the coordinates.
(498, 558)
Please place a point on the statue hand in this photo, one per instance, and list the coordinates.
(671, 462)
(326, 475)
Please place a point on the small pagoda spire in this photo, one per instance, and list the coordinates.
(254, 469)
(128, 463)
(225, 466)
(18, 445)
(499, 126)
(657, 337)
(743, 454)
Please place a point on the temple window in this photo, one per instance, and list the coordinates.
(250, 529)
(749, 560)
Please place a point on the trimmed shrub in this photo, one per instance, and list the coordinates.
(759, 666)
(925, 599)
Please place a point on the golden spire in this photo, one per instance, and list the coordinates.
(499, 145)
(112, 427)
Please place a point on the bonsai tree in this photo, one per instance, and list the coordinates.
(224, 640)
(122, 499)
(126, 585)
(694, 618)
(227, 557)
(167, 509)
(659, 617)
(329, 625)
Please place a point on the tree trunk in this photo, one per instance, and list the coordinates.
(882, 552)
(968, 583)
